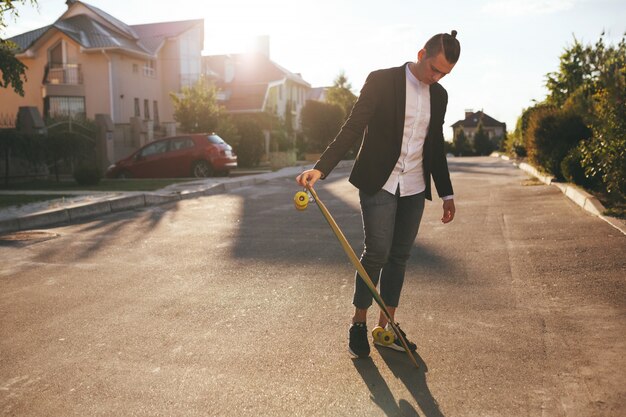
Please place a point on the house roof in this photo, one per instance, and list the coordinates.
(109, 33)
(252, 75)
(317, 94)
(473, 118)
(152, 35)
(250, 69)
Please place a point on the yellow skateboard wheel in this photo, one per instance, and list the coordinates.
(301, 200)
(382, 336)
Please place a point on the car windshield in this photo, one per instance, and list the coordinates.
(215, 139)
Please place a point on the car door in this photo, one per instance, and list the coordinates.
(180, 156)
(149, 161)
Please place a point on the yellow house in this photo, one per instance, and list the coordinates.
(88, 62)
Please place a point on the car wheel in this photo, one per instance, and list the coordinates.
(124, 175)
(202, 169)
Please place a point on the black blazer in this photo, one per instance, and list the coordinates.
(378, 119)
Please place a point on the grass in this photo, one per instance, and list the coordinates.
(104, 185)
(20, 200)
(17, 199)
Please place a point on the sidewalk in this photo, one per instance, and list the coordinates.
(89, 204)
(585, 200)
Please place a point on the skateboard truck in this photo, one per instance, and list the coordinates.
(301, 200)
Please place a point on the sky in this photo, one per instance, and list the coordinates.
(507, 46)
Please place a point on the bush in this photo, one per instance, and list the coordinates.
(250, 143)
(87, 175)
(320, 122)
(551, 135)
(573, 171)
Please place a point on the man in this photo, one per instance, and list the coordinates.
(399, 116)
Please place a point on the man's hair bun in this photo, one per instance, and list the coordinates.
(453, 33)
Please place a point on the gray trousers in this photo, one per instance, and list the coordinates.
(390, 225)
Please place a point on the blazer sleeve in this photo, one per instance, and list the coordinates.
(440, 171)
(354, 127)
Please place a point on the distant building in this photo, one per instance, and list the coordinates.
(469, 125)
(88, 62)
(253, 83)
(318, 94)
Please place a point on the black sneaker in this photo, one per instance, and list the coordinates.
(397, 344)
(359, 347)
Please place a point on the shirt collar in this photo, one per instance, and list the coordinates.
(411, 77)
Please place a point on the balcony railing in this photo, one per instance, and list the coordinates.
(63, 74)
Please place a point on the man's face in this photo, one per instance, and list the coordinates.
(432, 69)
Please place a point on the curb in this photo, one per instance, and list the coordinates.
(85, 211)
(585, 200)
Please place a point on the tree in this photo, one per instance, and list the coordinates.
(13, 70)
(482, 143)
(461, 144)
(341, 95)
(591, 83)
(196, 108)
(321, 123)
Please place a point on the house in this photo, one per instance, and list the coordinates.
(88, 62)
(318, 94)
(469, 125)
(252, 83)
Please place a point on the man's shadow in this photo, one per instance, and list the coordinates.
(413, 379)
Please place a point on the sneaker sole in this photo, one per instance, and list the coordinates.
(354, 355)
(393, 346)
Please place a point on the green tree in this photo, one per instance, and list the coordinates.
(461, 144)
(196, 108)
(553, 133)
(320, 123)
(482, 143)
(605, 154)
(13, 70)
(341, 95)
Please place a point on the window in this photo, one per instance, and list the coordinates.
(155, 148)
(155, 109)
(137, 112)
(181, 143)
(215, 139)
(149, 68)
(64, 106)
(146, 109)
(135, 68)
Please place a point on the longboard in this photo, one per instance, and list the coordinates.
(301, 200)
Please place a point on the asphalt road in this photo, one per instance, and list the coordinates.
(239, 305)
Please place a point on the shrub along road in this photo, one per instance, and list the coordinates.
(238, 305)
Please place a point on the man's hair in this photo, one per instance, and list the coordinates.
(446, 43)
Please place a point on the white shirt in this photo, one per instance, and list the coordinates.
(408, 174)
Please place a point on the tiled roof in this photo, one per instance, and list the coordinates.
(252, 75)
(472, 120)
(152, 35)
(24, 40)
(251, 69)
(115, 22)
(90, 34)
(246, 98)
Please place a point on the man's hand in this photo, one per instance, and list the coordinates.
(309, 177)
(448, 211)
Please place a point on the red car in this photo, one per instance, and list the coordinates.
(195, 155)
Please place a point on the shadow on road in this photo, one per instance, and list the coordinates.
(413, 379)
(130, 226)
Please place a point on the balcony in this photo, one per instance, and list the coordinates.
(63, 74)
(63, 80)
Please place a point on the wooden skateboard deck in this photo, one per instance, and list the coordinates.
(301, 200)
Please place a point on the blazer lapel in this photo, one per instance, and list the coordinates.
(400, 87)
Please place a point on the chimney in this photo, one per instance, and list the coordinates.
(468, 113)
(262, 45)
